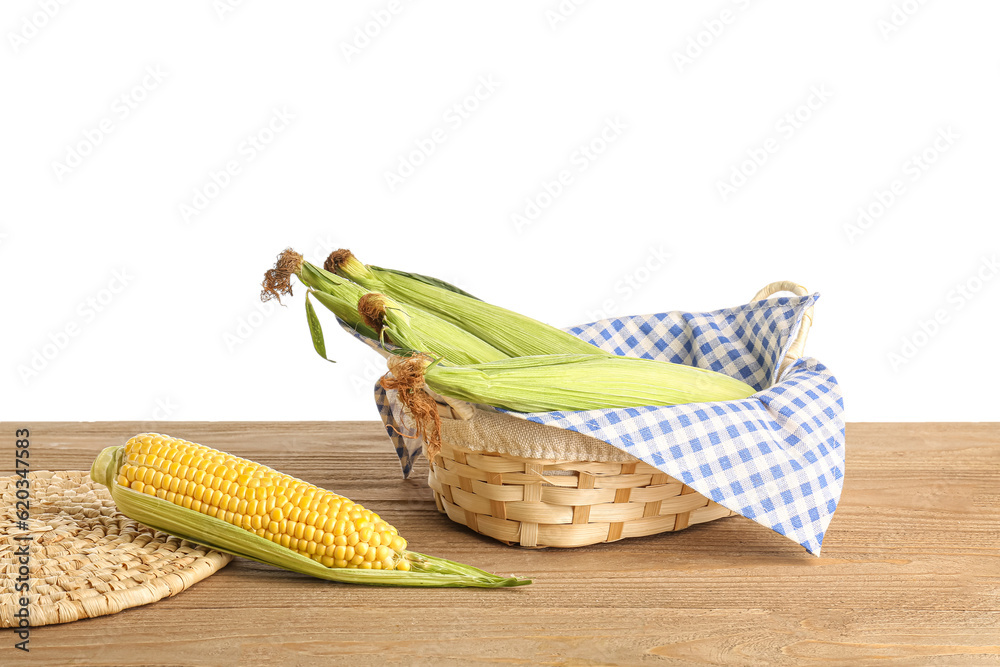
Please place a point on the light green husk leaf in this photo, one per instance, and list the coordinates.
(513, 334)
(341, 297)
(428, 571)
(406, 326)
(316, 330)
(568, 382)
(411, 328)
(430, 280)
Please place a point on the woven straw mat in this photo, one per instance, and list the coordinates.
(87, 559)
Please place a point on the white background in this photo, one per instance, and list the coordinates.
(186, 337)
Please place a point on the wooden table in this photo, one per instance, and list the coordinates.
(910, 572)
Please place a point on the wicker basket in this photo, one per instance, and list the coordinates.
(550, 502)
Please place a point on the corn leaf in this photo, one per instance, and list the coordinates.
(316, 330)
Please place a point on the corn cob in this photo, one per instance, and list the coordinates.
(575, 382)
(377, 316)
(565, 382)
(241, 507)
(513, 334)
(411, 328)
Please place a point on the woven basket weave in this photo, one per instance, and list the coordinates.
(560, 501)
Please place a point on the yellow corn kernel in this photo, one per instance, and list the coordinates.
(314, 522)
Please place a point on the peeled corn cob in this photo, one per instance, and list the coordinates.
(319, 524)
(235, 505)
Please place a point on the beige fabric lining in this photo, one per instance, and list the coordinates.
(489, 431)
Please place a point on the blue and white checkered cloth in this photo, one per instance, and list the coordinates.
(776, 458)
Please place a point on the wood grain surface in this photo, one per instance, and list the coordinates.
(910, 572)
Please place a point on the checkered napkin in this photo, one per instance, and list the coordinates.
(776, 457)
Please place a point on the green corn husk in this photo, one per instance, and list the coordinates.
(435, 282)
(341, 298)
(414, 329)
(381, 318)
(339, 295)
(568, 382)
(159, 514)
(407, 327)
(343, 294)
(513, 334)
